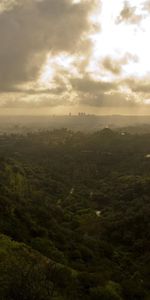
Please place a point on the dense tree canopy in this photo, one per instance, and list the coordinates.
(75, 216)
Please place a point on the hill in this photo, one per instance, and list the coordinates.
(75, 216)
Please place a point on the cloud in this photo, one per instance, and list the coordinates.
(146, 5)
(139, 85)
(115, 65)
(128, 14)
(101, 93)
(7, 4)
(32, 28)
(54, 91)
(89, 85)
(51, 54)
(32, 101)
(112, 65)
(115, 99)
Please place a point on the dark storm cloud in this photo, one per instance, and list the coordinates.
(128, 14)
(32, 28)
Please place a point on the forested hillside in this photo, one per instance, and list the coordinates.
(75, 216)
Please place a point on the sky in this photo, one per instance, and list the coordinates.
(61, 56)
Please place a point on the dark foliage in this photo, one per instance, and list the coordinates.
(75, 216)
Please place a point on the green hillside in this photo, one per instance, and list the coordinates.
(75, 216)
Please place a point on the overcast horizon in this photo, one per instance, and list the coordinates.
(61, 56)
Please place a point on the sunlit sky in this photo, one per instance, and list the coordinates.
(61, 56)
